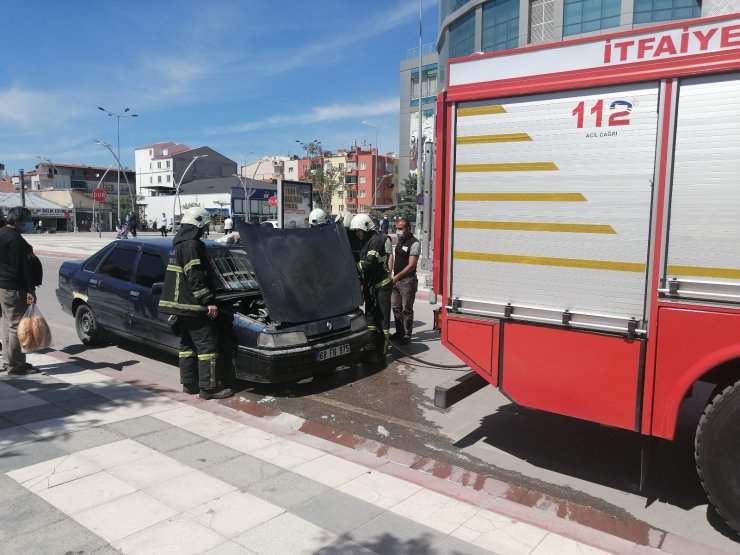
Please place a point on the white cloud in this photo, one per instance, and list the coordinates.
(31, 110)
(317, 114)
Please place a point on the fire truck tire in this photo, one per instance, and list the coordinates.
(717, 453)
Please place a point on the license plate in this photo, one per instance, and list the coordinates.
(332, 352)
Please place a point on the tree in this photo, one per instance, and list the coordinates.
(406, 201)
(326, 183)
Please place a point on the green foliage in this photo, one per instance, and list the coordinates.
(406, 201)
(326, 183)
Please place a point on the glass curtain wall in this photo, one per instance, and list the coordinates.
(500, 25)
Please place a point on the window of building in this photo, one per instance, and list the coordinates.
(168, 178)
(350, 179)
(363, 166)
(462, 36)
(168, 163)
(340, 194)
(341, 166)
(648, 11)
(428, 83)
(159, 179)
(500, 25)
(362, 180)
(150, 180)
(363, 208)
(159, 165)
(341, 207)
(362, 194)
(585, 16)
(151, 153)
(541, 21)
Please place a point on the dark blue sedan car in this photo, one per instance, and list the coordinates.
(291, 314)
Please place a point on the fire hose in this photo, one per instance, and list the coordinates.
(425, 362)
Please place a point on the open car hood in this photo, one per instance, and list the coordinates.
(304, 274)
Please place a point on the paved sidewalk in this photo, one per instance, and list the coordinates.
(91, 464)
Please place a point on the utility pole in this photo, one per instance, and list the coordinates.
(419, 143)
(23, 189)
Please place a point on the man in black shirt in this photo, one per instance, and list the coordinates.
(405, 283)
(16, 288)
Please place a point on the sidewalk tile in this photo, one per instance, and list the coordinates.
(229, 548)
(65, 536)
(150, 470)
(85, 493)
(34, 414)
(189, 490)
(389, 533)
(214, 428)
(204, 454)
(58, 393)
(178, 535)
(499, 533)
(150, 404)
(117, 453)
(183, 416)
(286, 489)
(108, 414)
(124, 516)
(59, 426)
(379, 489)
(435, 510)
(4, 422)
(286, 533)
(330, 470)
(20, 400)
(554, 543)
(234, 513)
(86, 439)
(79, 377)
(16, 435)
(25, 514)
(168, 439)
(287, 454)
(336, 512)
(247, 440)
(243, 470)
(345, 547)
(10, 489)
(54, 472)
(134, 427)
(25, 454)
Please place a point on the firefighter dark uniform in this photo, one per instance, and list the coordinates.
(186, 294)
(378, 285)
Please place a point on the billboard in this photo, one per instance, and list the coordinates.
(427, 133)
(294, 203)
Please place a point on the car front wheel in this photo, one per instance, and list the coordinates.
(88, 329)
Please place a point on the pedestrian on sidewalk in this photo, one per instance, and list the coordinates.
(162, 224)
(16, 288)
(405, 282)
(132, 223)
(187, 295)
(228, 225)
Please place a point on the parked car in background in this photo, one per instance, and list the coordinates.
(287, 311)
(270, 223)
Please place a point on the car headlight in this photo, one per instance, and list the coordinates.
(287, 339)
(358, 324)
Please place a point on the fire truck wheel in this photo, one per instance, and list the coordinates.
(717, 452)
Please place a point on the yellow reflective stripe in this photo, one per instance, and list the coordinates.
(372, 328)
(174, 268)
(386, 281)
(189, 265)
(387, 332)
(372, 253)
(704, 271)
(531, 226)
(208, 356)
(186, 354)
(481, 111)
(172, 304)
(501, 138)
(359, 266)
(201, 292)
(508, 167)
(549, 261)
(521, 197)
(177, 287)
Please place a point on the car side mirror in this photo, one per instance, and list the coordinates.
(157, 287)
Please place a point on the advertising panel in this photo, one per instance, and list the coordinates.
(294, 203)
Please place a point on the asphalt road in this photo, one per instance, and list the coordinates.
(561, 457)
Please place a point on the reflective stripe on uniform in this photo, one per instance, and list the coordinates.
(211, 359)
(174, 268)
(201, 292)
(173, 304)
(189, 265)
(386, 281)
(186, 354)
(177, 288)
(372, 328)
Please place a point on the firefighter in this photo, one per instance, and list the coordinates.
(187, 295)
(317, 217)
(378, 285)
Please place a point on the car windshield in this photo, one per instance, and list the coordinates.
(232, 270)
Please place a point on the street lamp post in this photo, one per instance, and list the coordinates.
(247, 211)
(118, 117)
(380, 182)
(54, 169)
(177, 188)
(377, 160)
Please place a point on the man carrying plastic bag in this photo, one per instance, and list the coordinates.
(16, 289)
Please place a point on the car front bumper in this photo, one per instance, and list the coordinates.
(296, 363)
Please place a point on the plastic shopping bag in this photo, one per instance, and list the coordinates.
(33, 331)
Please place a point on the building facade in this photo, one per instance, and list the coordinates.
(160, 167)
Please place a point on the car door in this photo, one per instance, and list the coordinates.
(147, 322)
(109, 289)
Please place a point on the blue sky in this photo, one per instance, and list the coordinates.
(243, 77)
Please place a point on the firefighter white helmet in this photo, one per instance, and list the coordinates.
(362, 222)
(318, 217)
(197, 216)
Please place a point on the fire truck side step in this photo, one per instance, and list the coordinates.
(456, 389)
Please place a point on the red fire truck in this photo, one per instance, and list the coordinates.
(587, 230)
